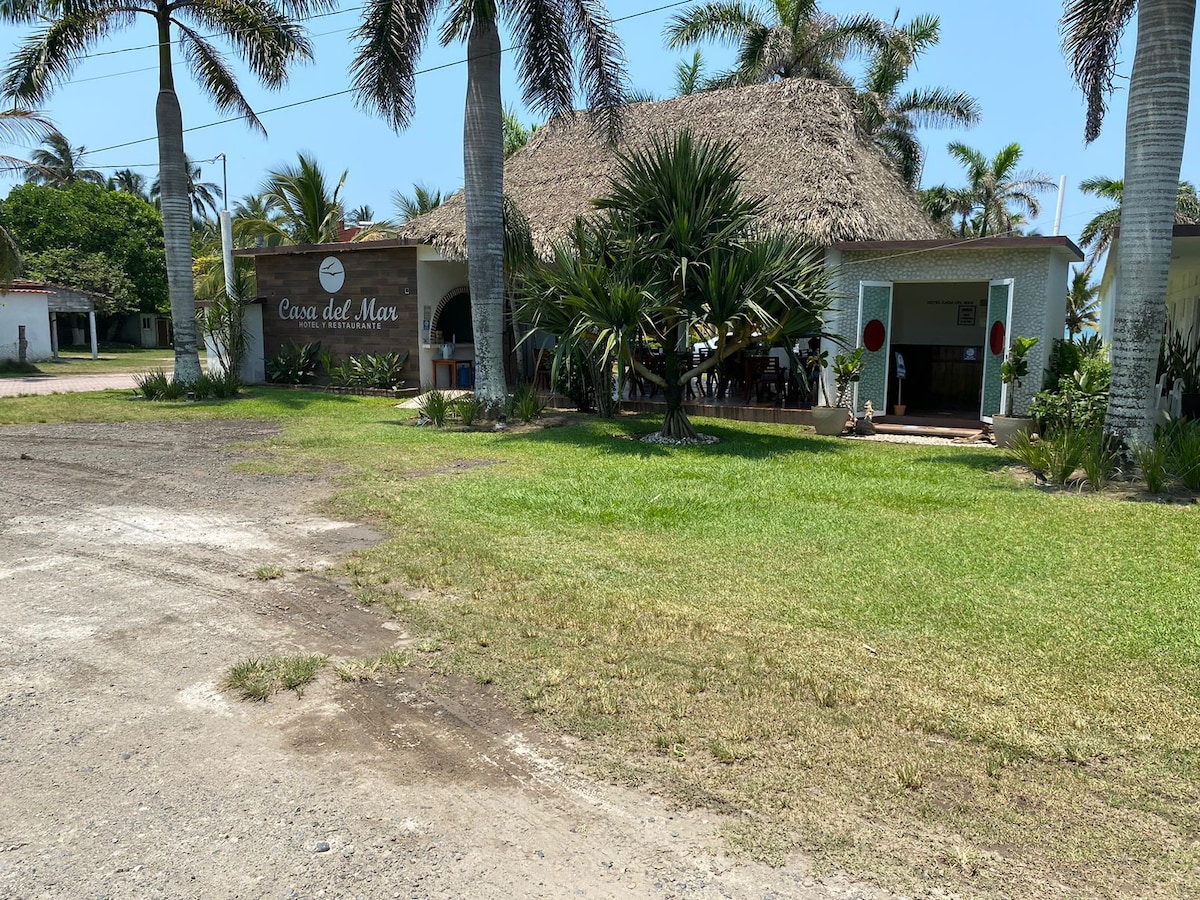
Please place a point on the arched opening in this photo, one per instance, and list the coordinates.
(453, 319)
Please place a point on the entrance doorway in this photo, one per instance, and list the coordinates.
(936, 364)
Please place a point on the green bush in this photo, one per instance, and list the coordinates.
(469, 408)
(1064, 451)
(377, 370)
(1101, 458)
(1080, 399)
(1181, 439)
(294, 364)
(157, 385)
(1030, 451)
(526, 403)
(1152, 460)
(434, 405)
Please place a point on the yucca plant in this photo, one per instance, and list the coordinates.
(469, 408)
(1182, 440)
(1152, 460)
(527, 404)
(1101, 459)
(434, 405)
(1064, 454)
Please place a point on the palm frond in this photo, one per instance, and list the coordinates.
(724, 21)
(389, 45)
(1091, 33)
(601, 65)
(49, 56)
(545, 67)
(261, 32)
(215, 76)
(939, 108)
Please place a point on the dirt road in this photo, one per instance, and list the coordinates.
(126, 555)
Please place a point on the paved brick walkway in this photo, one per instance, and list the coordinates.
(63, 384)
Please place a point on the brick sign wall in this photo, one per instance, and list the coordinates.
(353, 301)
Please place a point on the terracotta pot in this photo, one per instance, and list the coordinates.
(899, 408)
(830, 419)
(1006, 428)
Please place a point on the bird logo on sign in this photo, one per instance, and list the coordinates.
(332, 274)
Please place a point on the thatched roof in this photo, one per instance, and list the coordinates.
(799, 143)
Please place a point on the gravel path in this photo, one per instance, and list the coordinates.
(63, 384)
(126, 557)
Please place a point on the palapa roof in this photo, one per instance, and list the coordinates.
(799, 142)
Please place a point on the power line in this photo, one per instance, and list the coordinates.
(342, 93)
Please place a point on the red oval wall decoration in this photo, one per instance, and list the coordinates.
(873, 336)
(996, 339)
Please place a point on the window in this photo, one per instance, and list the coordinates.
(455, 320)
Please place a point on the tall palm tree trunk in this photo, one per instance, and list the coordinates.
(176, 212)
(483, 170)
(1154, 135)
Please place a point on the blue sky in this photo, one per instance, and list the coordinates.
(1006, 54)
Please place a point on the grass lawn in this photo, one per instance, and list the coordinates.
(80, 362)
(897, 658)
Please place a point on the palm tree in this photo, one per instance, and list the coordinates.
(547, 33)
(677, 253)
(16, 126)
(997, 197)
(264, 34)
(419, 202)
(58, 164)
(891, 117)
(786, 39)
(689, 76)
(130, 182)
(516, 133)
(204, 195)
(297, 205)
(362, 214)
(1155, 129)
(1099, 232)
(1083, 302)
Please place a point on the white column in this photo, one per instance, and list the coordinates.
(92, 329)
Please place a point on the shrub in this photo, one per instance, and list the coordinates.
(1152, 460)
(1064, 452)
(1030, 451)
(1080, 399)
(434, 405)
(377, 370)
(470, 408)
(527, 404)
(157, 385)
(294, 364)
(1181, 438)
(16, 367)
(1101, 458)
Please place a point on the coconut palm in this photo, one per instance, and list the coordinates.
(17, 126)
(1155, 128)
(892, 118)
(362, 214)
(419, 202)
(677, 252)
(1083, 302)
(516, 133)
(297, 204)
(1099, 232)
(204, 195)
(783, 39)
(128, 181)
(263, 33)
(689, 76)
(551, 35)
(997, 197)
(59, 164)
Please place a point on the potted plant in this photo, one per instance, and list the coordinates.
(1013, 370)
(847, 370)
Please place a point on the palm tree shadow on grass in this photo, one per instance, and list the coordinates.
(733, 441)
(980, 461)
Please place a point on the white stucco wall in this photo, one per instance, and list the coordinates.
(1039, 290)
(31, 310)
(437, 276)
